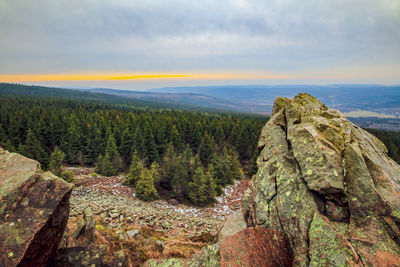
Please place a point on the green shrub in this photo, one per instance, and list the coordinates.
(67, 176)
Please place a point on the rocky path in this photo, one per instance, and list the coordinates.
(120, 212)
(125, 222)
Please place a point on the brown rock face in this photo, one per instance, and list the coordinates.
(256, 246)
(328, 185)
(34, 209)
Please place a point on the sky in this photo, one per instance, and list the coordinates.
(138, 45)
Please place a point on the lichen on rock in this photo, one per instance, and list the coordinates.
(328, 185)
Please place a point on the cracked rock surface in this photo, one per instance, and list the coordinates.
(328, 185)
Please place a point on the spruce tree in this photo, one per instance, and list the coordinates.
(152, 151)
(219, 135)
(210, 187)
(242, 143)
(202, 188)
(176, 139)
(139, 144)
(111, 163)
(235, 168)
(160, 136)
(33, 149)
(56, 160)
(73, 145)
(99, 164)
(135, 170)
(94, 145)
(9, 146)
(155, 172)
(168, 165)
(206, 148)
(180, 178)
(127, 141)
(112, 152)
(145, 189)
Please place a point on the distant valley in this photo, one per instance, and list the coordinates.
(376, 106)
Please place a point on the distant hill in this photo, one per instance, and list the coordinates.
(344, 97)
(120, 97)
(185, 99)
(370, 106)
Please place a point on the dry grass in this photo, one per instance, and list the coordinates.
(143, 246)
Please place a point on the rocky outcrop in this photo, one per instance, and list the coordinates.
(34, 208)
(328, 185)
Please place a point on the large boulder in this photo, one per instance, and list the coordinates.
(34, 208)
(328, 185)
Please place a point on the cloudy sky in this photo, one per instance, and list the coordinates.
(153, 43)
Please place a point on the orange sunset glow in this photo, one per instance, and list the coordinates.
(99, 77)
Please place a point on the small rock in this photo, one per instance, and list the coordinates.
(132, 233)
(173, 202)
(159, 246)
(120, 260)
(165, 225)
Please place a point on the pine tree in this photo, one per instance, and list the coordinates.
(210, 187)
(206, 148)
(33, 149)
(73, 144)
(234, 166)
(219, 135)
(127, 141)
(152, 151)
(145, 189)
(176, 139)
(139, 144)
(168, 165)
(202, 188)
(99, 164)
(111, 163)
(160, 136)
(112, 152)
(9, 146)
(94, 145)
(56, 160)
(155, 172)
(194, 163)
(180, 179)
(135, 170)
(197, 136)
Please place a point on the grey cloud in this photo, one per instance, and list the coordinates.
(279, 35)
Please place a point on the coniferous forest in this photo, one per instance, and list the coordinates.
(190, 155)
(185, 154)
